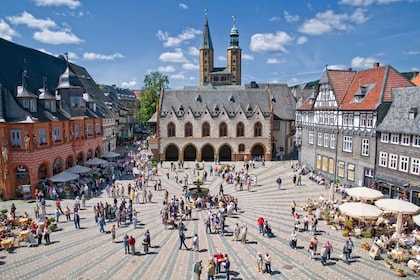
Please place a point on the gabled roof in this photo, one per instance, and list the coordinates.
(397, 119)
(340, 81)
(416, 80)
(376, 83)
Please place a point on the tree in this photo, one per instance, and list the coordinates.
(150, 94)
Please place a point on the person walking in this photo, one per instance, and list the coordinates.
(236, 232)
(132, 243)
(219, 259)
(126, 245)
(329, 249)
(267, 261)
(113, 233)
(211, 270)
(244, 231)
(102, 224)
(227, 266)
(314, 241)
(311, 250)
(195, 243)
(47, 235)
(299, 180)
(294, 179)
(260, 262)
(198, 268)
(278, 182)
(76, 219)
(293, 207)
(351, 247)
(182, 240)
(346, 253)
(324, 256)
(293, 239)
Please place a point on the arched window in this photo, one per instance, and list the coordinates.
(205, 130)
(240, 130)
(188, 130)
(241, 148)
(171, 130)
(223, 130)
(257, 129)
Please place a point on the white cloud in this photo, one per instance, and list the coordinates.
(274, 18)
(337, 67)
(269, 42)
(411, 52)
(72, 4)
(72, 56)
(179, 76)
(130, 84)
(365, 3)
(274, 61)
(56, 37)
(183, 6)
(363, 62)
(166, 69)
(221, 58)
(32, 22)
(301, 40)
(293, 81)
(329, 21)
(6, 32)
(176, 56)
(290, 18)
(188, 34)
(97, 56)
(193, 51)
(190, 66)
(247, 57)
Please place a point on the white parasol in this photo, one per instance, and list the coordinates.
(360, 210)
(364, 193)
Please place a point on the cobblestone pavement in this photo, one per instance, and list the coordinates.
(88, 254)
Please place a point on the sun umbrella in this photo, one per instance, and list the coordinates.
(64, 177)
(416, 219)
(360, 210)
(111, 155)
(364, 193)
(96, 161)
(78, 169)
(397, 205)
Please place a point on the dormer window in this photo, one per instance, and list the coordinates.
(412, 113)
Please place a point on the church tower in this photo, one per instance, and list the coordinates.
(234, 56)
(206, 55)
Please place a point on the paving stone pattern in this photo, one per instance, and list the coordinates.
(88, 254)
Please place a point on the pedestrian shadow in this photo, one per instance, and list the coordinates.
(275, 272)
(202, 250)
(251, 242)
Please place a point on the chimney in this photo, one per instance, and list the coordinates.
(114, 86)
(376, 65)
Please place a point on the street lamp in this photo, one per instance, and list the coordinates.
(298, 142)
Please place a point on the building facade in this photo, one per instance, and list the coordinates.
(44, 133)
(338, 122)
(398, 156)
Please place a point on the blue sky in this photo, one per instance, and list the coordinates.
(119, 42)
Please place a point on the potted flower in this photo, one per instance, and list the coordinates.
(327, 216)
(388, 264)
(367, 234)
(345, 233)
(365, 246)
(348, 225)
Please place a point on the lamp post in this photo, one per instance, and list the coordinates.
(298, 142)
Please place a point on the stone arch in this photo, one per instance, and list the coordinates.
(69, 162)
(22, 178)
(225, 152)
(80, 158)
(190, 152)
(171, 152)
(57, 166)
(207, 152)
(258, 151)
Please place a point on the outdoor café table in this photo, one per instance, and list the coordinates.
(7, 243)
(23, 234)
(23, 221)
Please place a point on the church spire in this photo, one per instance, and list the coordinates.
(234, 34)
(206, 43)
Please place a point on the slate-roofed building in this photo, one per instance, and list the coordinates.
(338, 123)
(52, 117)
(398, 152)
(229, 123)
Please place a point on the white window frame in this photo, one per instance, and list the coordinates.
(403, 166)
(383, 159)
(385, 137)
(405, 139)
(332, 141)
(395, 138)
(326, 139)
(415, 166)
(348, 144)
(311, 137)
(365, 147)
(393, 161)
(416, 141)
(362, 120)
(320, 138)
(369, 120)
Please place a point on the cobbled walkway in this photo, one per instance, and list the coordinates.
(88, 254)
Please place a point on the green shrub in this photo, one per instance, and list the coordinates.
(53, 227)
(4, 211)
(52, 220)
(367, 234)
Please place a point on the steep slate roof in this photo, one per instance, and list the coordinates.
(230, 97)
(396, 120)
(206, 43)
(379, 81)
(41, 68)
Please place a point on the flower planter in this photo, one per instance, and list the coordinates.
(400, 273)
(388, 265)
